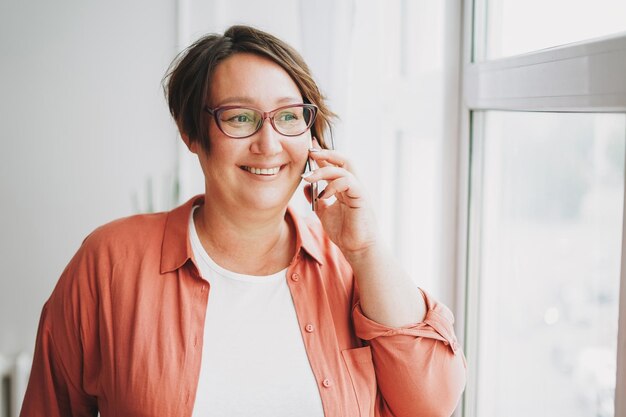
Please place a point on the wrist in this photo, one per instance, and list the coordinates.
(363, 254)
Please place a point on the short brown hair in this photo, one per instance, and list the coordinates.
(187, 83)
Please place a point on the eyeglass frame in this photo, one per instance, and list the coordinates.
(264, 115)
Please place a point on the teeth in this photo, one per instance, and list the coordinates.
(262, 171)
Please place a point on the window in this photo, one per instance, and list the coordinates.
(551, 221)
(513, 27)
(544, 144)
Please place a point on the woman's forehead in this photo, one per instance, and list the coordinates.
(246, 78)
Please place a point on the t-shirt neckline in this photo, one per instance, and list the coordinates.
(199, 250)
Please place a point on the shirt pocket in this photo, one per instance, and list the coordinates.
(363, 378)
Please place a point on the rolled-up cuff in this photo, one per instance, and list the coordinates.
(437, 324)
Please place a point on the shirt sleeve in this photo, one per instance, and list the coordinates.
(55, 387)
(51, 391)
(420, 368)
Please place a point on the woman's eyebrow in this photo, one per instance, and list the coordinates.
(289, 99)
(251, 101)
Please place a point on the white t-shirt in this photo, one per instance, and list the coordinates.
(253, 359)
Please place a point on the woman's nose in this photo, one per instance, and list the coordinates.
(267, 140)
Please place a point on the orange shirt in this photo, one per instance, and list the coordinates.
(122, 332)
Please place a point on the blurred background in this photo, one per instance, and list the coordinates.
(491, 139)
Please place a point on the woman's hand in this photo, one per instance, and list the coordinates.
(387, 294)
(348, 221)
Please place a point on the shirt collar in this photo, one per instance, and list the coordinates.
(305, 238)
(176, 249)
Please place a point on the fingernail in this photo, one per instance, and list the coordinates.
(314, 150)
(307, 174)
(321, 194)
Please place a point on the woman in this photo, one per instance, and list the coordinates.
(231, 305)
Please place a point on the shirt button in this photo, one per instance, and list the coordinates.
(309, 328)
(326, 383)
(295, 277)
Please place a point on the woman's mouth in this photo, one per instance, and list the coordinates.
(261, 171)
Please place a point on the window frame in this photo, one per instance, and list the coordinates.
(583, 77)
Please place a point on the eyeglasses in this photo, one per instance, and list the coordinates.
(241, 122)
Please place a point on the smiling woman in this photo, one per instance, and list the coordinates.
(231, 304)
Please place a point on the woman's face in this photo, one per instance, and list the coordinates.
(250, 80)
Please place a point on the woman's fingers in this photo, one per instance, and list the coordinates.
(326, 157)
(334, 168)
(327, 173)
(346, 190)
(343, 188)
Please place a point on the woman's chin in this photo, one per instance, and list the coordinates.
(269, 197)
(262, 201)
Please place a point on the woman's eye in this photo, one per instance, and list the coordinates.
(287, 117)
(240, 118)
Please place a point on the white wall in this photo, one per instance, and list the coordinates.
(83, 128)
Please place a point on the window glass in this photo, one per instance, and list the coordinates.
(551, 223)
(515, 27)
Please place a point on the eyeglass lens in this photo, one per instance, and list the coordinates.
(289, 121)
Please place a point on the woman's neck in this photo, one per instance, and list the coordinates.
(247, 243)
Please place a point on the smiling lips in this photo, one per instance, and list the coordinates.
(261, 171)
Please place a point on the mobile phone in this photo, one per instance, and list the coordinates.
(314, 188)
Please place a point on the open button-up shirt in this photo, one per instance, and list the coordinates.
(122, 332)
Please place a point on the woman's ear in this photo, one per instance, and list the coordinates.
(191, 145)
